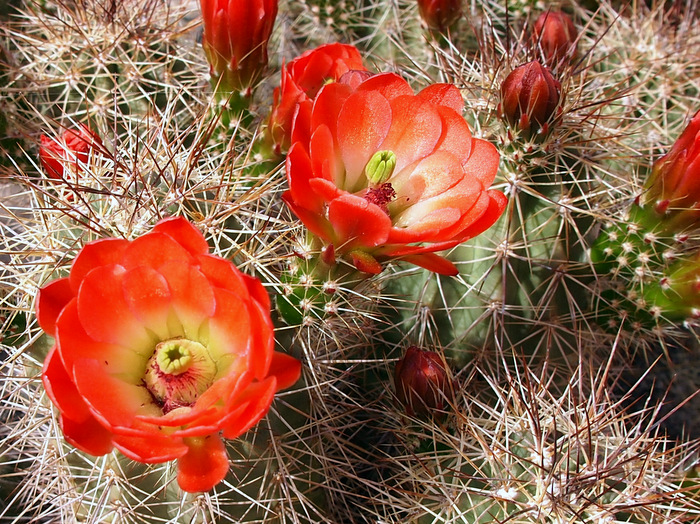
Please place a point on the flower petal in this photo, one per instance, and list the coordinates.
(434, 263)
(444, 95)
(327, 107)
(389, 85)
(204, 465)
(285, 368)
(147, 294)
(74, 344)
(363, 124)
(222, 273)
(257, 398)
(230, 329)
(50, 301)
(497, 202)
(151, 448)
(324, 161)
(257, 292)
(114, 402)
(483, 162)
(365, 262)
(105, 313)
(184, 233)
(357, 222)
(299, 172)
(105, 252)
(415, 130)
(154, 250)
(192, 296)
(314, 222)
(88, 435)
(61, 390)
(456, 136)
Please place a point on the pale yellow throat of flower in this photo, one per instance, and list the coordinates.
(178, 372)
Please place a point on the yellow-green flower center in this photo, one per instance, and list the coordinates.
(380, 167)
(178, 372)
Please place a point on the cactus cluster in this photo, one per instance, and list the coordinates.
(541, 372)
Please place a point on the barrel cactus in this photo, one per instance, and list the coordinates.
(415, 262)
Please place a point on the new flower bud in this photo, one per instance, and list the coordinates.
(235, 40)
(530, 96)
(673, 188)
(439, 15)
(555, 36)
(72, 148)
(423, 384)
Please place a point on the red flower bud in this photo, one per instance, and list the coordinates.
(674, 184)
(422, 382)
(529, 96)
(72, 148)
(556, 36)
(235, 40)
(439, 15)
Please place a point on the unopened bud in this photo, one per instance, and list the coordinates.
(555, 36)
(530, 96)
(423, 385)
(439, 15)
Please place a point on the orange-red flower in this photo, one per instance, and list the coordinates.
(70, 150)
(160, 348)
(388, 174)
(235, 40)
(301, 81)
(674, 184)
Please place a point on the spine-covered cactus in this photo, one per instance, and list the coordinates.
(349, 261)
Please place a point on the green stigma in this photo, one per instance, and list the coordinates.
(175, 356)
(380, 167)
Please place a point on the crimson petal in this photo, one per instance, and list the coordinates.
(50, 301)
(105, 252)
(204, 465)
(184, 233)
(357, 222)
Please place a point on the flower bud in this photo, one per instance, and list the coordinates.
(422, 382)
(673, 188)
(235, 40)
(439, 15)
(530, 96)
(555, 36)
(72, 148)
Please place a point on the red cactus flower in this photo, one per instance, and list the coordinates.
(422, 383)
(530, 96)
(235, 40)
(160, 347)
(70, 150)
(674, 184)
(302, 79)
(387, 174)
(556, 36)
(439, 15)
